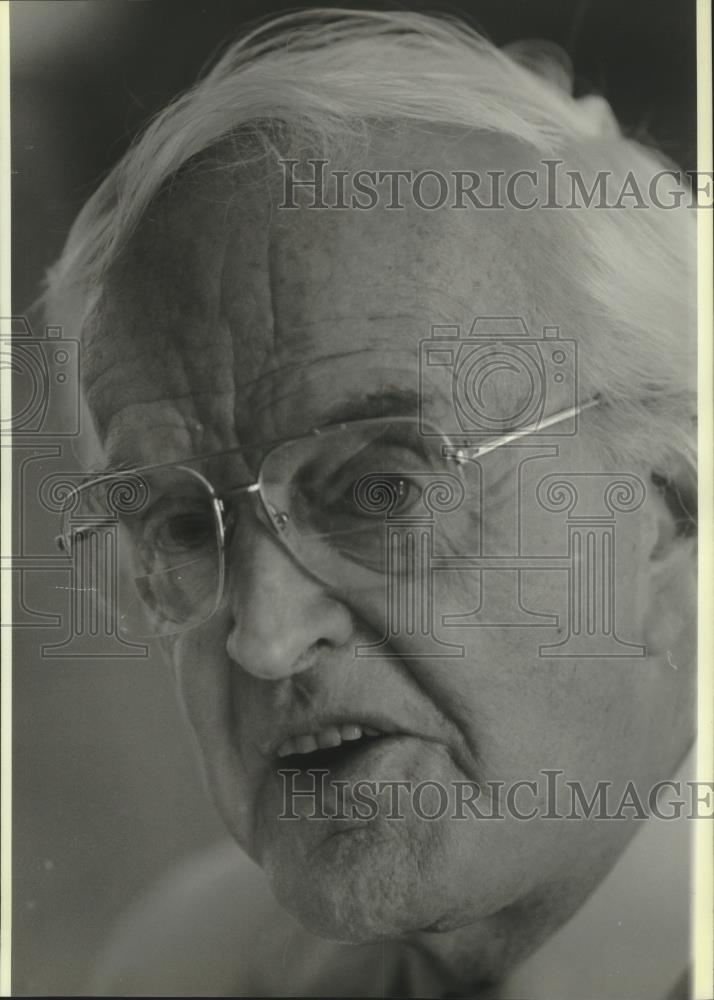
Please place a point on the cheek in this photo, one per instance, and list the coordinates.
(201, 671)
(203, 674)
(521, 715)
(520, 708)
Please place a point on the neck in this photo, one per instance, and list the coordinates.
(474, 959)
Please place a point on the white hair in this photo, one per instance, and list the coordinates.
(325, 78)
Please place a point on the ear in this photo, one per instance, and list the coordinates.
(671, 617)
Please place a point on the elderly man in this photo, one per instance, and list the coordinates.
(397, 431)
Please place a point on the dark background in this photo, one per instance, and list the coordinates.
(106, 794)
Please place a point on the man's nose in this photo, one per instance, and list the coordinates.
(282, 616)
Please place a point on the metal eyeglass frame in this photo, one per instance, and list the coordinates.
(278, 521)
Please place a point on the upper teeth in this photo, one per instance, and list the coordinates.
(331, 736)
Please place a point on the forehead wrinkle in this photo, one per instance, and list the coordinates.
(157, 335)
(290, 366)
(283, 256)
(265, 325)
(248, 311)
(272, 278)
(120, 447)
(274, 398)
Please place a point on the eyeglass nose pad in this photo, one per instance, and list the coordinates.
(269, 515)
(278, 518)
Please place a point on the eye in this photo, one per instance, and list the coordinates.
(373, 495)
(351, 484)
(180, 531)
(187, 531)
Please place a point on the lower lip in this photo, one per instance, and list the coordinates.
(358, 764)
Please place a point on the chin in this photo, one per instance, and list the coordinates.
(338, 913)
(354, 888)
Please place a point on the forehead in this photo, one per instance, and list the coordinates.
(228, 317)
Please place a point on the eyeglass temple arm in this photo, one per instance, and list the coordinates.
(64, 542)
(471, 454)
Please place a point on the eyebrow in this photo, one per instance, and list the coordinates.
(109, 467)
(390, 403)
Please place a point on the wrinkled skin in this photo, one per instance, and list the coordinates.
(229, 322)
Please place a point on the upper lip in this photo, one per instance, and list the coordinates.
(306, 726)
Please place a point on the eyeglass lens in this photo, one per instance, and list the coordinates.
(332, 497)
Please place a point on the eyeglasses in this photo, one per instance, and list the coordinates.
(327, 497)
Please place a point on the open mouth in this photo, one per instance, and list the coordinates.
(330, 758)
